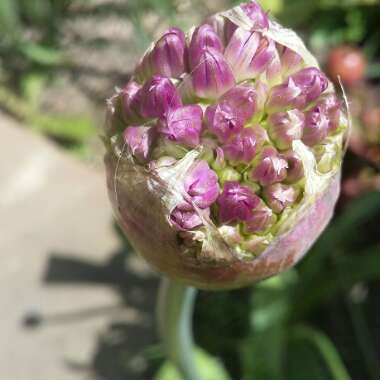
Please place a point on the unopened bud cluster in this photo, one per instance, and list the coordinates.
(241, 100)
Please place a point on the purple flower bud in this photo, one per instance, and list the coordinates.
(285, 127)
(280, 196)
(202, 185)
(182, 125)
(168, 55)
(295, 170)
(262, 218)
(217, 22)
(257, 14)
(312, 82)
(223, 120)
(236, 203)
(249, 54)
(204, 37)
(298, 91)
(158, 95)
(139, 141)
(271, 167)
(211, 76)
(184, 219)
(242, 147)
(316, 126)
(242, 98)
(130, 102)
(283, 96)
(332, 105)
(262, 95)
(290, 61)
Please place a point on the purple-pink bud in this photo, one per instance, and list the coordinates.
(290, 61)
(332, 105)
(211, 75)
(218, 22)
(249, 54)
(271, 167)
(262, 218)
(204, 37)
(168, 55)
(185, 218)
(201, 184)
(223, 120)
(236, 203)
(279, 196)
(182, 125)
(298, 91)
(130, 102)
(242, 147)
(139, 140)
(257, 14)
(285, 127)
(295, 170)
(158, 95)
(242, 98)
(312, 82)
(316, 126)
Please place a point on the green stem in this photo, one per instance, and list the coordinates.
(174, 313)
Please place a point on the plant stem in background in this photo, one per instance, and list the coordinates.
(174, 316)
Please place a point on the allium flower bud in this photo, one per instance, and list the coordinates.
(242, 147)
(211, 74)
(202, 185)
(298, 91)
(139, 141)
(204, 37)
(290, 61)
(130, 102)
(271, 168)
(185, 219)
(295, 171)
(332, 106)
(223, 121)
(182, 125)
(236, 203)
(280, 196)
(285, 127)
(224, 172)
(167, 57)
(249, 54)
(253, 10)
(261, 220)
(242, 99)
(316, 126)
(158, 95)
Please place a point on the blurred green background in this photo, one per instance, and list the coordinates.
(60, 60)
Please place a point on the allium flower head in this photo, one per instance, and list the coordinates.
(224, 150)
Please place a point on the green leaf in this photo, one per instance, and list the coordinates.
(209, 368)
(311, 355)
(40, 54)
(9, 17)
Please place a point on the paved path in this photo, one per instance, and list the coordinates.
(61, 260)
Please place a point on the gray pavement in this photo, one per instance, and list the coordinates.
(73, 304)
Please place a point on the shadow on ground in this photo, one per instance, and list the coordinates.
(124, 349)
